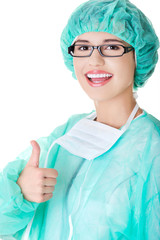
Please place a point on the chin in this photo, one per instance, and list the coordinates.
(98, 98)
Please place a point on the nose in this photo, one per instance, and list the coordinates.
(96, 58)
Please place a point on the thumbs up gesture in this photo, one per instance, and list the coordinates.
(37, 184)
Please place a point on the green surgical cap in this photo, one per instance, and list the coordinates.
(122, 19)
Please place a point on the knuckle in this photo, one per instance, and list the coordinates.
(51, 196)
(56, 173)
(55, 181)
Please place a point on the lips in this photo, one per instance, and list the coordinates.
(97, 72)
(96, 82)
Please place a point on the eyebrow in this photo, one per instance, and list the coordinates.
(104, 41)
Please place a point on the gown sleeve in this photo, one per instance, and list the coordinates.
(15, 211)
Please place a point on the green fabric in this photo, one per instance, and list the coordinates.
(120, 18)
(120, 198)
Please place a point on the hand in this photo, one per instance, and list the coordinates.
(37, 184)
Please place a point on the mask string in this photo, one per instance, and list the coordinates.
(133, 113)
(135, 95)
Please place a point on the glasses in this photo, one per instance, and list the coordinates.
(107, 50)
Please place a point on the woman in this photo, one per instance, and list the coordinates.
(108, 160)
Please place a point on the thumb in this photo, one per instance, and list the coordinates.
(34, 159)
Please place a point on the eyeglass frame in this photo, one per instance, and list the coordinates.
(126, 49)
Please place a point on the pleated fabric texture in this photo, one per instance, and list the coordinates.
(114, 196)
(122, 19)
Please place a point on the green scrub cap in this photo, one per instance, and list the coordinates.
(122, 19)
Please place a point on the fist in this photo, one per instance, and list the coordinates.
(37, 184)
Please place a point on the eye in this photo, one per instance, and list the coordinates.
(83, 48)
(114, 47)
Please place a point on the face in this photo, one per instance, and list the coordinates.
(122, 68)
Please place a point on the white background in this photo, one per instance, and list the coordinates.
(37, 91)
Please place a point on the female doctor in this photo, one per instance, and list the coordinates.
(96, 176)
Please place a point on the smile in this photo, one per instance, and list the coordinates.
(98, 81)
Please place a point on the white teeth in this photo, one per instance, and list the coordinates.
(98, 75)
(97, 81)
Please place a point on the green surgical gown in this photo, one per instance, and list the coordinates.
(119, 199)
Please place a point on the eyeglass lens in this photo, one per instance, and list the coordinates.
(107, 50)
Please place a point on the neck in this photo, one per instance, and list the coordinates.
(115, 112)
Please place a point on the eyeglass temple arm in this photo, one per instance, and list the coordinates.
(71, 48)
(128, 49)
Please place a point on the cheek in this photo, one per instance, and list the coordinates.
(126, 67)
(78, 67)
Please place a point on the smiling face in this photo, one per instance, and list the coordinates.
(122, 68)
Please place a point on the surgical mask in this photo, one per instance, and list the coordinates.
(90, 139)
